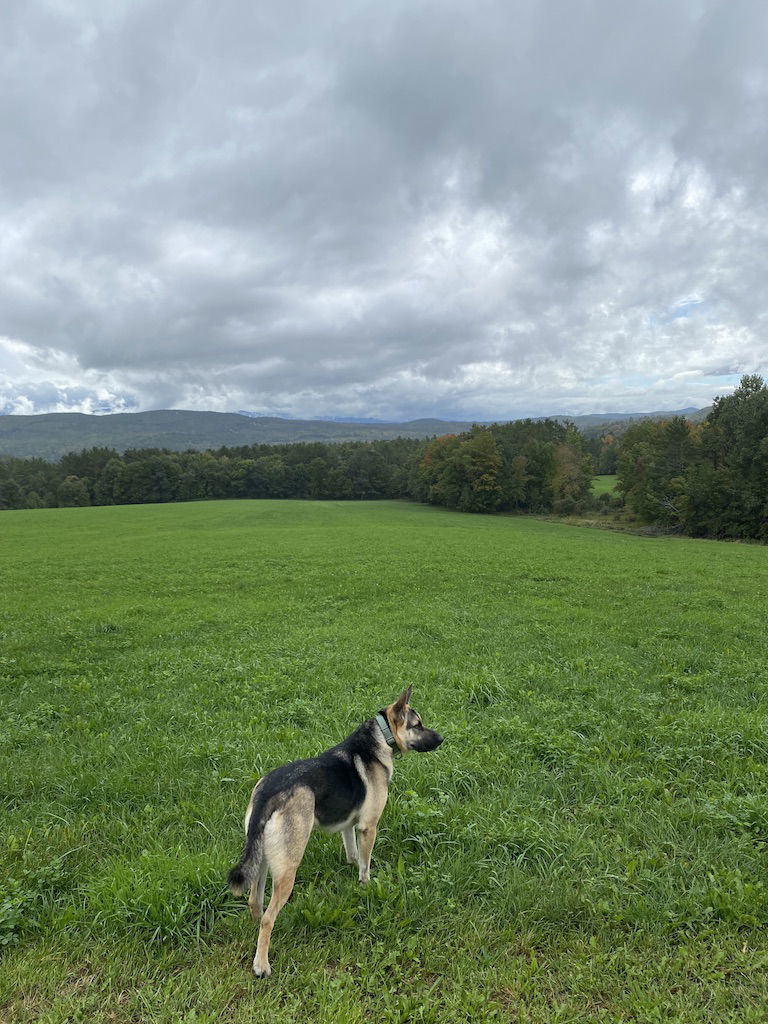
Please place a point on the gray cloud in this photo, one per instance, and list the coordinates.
(402, 210)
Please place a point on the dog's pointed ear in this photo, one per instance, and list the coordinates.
(398, 708)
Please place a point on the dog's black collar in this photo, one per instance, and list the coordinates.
(383, 724)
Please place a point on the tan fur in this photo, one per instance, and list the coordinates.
(285, 839)
(256, 893)
(398, 715)
(249, 808)
(373, 805)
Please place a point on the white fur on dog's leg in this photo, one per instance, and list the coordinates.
(350, 845)
(261, 970)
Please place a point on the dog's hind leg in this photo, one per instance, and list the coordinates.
(256, 893)
(350, 845)
(285, 839)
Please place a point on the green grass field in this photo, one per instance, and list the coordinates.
(589, 844)
(605, 484)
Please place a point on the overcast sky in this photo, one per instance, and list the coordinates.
(388, 209)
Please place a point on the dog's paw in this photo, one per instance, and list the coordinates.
(261, 970)
(364, 879)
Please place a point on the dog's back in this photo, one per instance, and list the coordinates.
(333, 785)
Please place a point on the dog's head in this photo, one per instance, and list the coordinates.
(408, 730)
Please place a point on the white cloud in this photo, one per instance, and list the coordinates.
(385, 211)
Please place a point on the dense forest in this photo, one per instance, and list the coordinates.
(520, 466)
(708, 479)
(528, 466)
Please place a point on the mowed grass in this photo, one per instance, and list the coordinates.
(589, 844)
(604, 484)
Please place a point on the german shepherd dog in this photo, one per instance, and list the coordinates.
(339, 789)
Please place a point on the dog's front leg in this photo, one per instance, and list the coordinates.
(367, 833)
(350, 846)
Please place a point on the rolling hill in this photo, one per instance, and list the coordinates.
(51, 435)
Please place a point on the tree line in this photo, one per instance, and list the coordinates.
(708, 479)
(523, 466)
(705, 480)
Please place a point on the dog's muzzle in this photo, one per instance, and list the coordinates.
(430, 741)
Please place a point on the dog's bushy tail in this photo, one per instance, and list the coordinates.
(242, 874)
(238, 879)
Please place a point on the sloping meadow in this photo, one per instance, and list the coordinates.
(588, 844)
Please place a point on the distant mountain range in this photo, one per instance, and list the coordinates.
(51, 435)
(598, 423)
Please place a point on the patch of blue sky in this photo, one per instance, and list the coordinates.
(685, 307)
(726, 380)
(680, 311)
